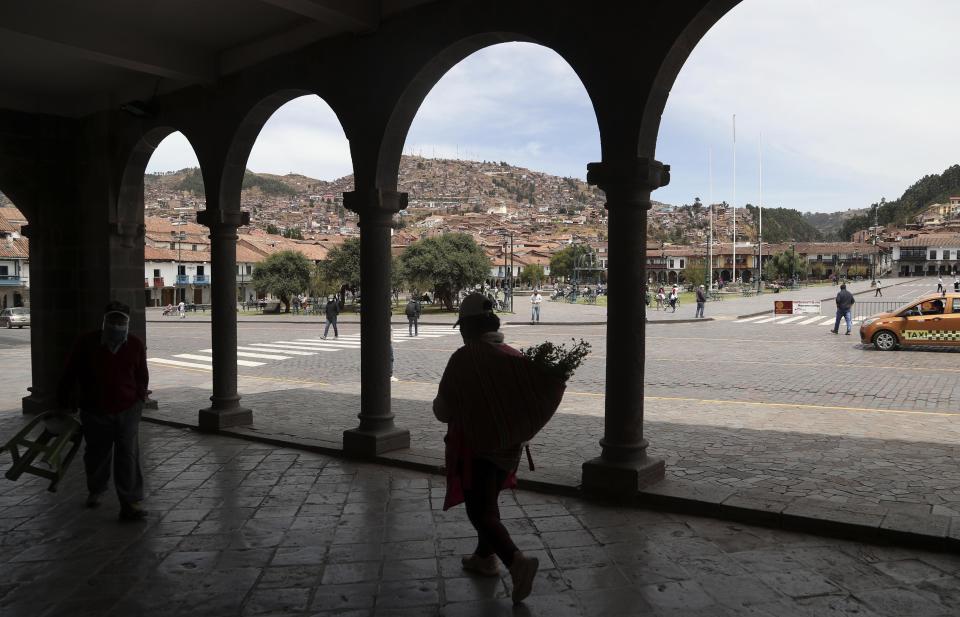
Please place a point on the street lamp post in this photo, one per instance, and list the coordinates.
(793, 263)
(181, 236)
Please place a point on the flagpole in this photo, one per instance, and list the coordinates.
(710, 236)
(760, 226)
(734, 244)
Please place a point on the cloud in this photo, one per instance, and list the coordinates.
(853, 99)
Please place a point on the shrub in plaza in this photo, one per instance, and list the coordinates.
(446, 264)
(283, 274)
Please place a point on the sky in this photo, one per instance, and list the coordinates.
(855, 101)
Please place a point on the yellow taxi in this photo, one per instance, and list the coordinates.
(933, 319)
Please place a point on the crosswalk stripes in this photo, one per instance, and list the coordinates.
(254, 355)
(793, 320)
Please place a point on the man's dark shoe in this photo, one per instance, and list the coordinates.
(94, 499)
(132, 512)
(834, 331)
(848, 333)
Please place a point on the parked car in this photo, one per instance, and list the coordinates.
(933, 319)
(15, 317)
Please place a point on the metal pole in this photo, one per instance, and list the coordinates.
(511, 271)
(760, 227)
(734, 278)
(710, 237)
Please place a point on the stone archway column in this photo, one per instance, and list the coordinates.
(225, 409)
(623, 465)
(377, 432)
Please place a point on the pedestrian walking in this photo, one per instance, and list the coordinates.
(296, 304)
(413, 316)
(879, 290)
(956, 284)
(331, 310)
(478, 375)
(939, 283)
(106, 378)
(701, 301)
(673, 299)
(535, 301)
(182, 309)
(845, 302)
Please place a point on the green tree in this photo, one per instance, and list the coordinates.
(696, 272)
(283, 274)
(532, 275)
(784, 265)
(342, 264)
(445, 263)
(321, 284)
(273, 229)
(562, 262)
(293, 233)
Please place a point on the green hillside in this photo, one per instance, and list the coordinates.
(935, 188)
(193, 182)
(785, 225)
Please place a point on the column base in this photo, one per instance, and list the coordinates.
(211, 419)
(34, 404)
(620, 480)
(150, 403)
(372, 443)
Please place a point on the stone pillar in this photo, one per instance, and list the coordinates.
(623, 465)
(225, 409)
(377, 432)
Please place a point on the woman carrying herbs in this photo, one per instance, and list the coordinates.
(494, 398)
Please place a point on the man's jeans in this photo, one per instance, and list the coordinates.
(535, 313)
(699, 312)
(412, 325)
(841, 314)
(116, 437)
(327, 329)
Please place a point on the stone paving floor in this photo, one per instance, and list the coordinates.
(240, 528)
(773, 461)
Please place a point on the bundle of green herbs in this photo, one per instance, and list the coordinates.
(558, 360)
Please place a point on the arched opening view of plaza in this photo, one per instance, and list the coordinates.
(479, 308)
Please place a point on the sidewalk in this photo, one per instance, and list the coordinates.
(557, 313)
(758, 464)
(239, 528)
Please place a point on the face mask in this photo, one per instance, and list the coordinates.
(114, 335)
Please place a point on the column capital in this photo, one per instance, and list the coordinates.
(629, 179)
(366, 202)
(219, 218)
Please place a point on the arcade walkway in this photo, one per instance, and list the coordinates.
(247, 529)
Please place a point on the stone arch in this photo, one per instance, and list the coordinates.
(423, 82)
(129, 208)
(672, 277)
(673, 62)
(245, 136)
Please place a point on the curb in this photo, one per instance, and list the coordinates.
(822, 300)
(443, 323)
(708, 500)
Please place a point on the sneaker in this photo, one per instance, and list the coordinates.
(392, 378)
(132, 512)
(522, 572)
(94, 499)
(848, 333)
(834, 332)
(323, 337)
(487, 566)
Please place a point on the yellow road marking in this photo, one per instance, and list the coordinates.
(866, 366)
(786, 405)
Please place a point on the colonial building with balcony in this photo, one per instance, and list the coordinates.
(14, 266)
(928, 254)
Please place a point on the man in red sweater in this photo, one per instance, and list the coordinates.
(106, 377)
